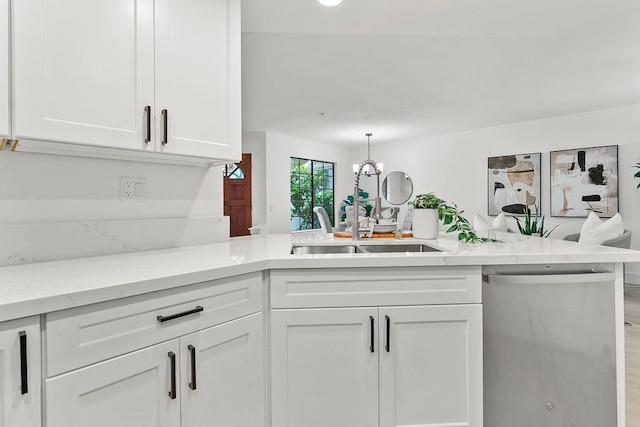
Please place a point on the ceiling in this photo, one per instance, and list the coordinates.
(406, 69)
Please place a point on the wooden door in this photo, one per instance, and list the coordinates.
(4, 68)
(237, 196)
(324, 367)
(198, 77)
(84, 71)
(20, 407)
(128, 391)
(431, 366)
(229, 386)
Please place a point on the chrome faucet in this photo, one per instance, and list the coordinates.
(355, 228)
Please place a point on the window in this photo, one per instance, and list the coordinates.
(311, 186)
(233, 171)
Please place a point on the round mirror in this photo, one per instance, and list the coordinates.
(397, 187)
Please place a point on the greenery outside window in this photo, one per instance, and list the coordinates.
(311, 186)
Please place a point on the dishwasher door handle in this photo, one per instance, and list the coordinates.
(533, 278)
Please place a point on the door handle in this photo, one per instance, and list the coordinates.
(371, 326)
(192, 352)
(24, 388)
(387, 345)
(147, 113)
(163, 319)
(172, 391)
(165, 127)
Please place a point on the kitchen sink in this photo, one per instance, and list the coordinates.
(326, 249)
(362, 249)
(413, 247)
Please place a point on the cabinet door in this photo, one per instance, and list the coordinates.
(4, 68)
(198, 77)
(20, 355)
(83, 71)
(431, 366)
(324, 367)
(128, 391)
(226, 388)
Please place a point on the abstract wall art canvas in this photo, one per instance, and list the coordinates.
(584, 180)
(514, 183)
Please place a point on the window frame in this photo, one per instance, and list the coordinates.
(314, 223)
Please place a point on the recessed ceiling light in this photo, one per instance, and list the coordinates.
(329, 2)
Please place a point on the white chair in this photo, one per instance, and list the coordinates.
(323, 219)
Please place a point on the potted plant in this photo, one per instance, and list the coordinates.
(637, 174)
(533, 225)
(429, 208)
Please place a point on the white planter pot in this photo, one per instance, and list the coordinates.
(425, 223)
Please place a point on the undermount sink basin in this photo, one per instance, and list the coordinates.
(362, 249)
(326, 249)
(413, 247)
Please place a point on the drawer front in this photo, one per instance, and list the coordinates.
(360, 287)
(81, 336)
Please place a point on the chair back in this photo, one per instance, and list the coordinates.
(623, 241)
(323, 219)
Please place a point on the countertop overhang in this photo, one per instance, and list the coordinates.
(38, 288)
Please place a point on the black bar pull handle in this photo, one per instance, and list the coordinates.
(147, 113)
(192, 353)
(371, 325)
(165, 127)
(387, 345)
(23, 362)
(162, 319)
(172, 392)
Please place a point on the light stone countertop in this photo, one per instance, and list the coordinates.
(50, 286)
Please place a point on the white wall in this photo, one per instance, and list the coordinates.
(256, 144)
(37, 188)
(279, 150)
(454, 166)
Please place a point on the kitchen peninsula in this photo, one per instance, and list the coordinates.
(425, 338)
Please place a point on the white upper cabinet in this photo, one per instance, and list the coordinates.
(4, 68)
(158, 76)
(83, 71)
(198, 77)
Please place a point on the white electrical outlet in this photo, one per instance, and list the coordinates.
(132, 188)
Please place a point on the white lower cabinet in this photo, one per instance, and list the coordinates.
(370, 366)
(20, 402)
(323, 372)
(431, 366)
(226, 388)
(159, 387)
(127, 391)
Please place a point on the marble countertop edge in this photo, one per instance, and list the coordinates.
(38, 288)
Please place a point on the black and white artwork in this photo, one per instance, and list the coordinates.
(514, 183)
(584, 180)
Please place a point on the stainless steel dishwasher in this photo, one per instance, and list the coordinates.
(549, 349)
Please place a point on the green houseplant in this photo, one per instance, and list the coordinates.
(533, 224)
(446, 212)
